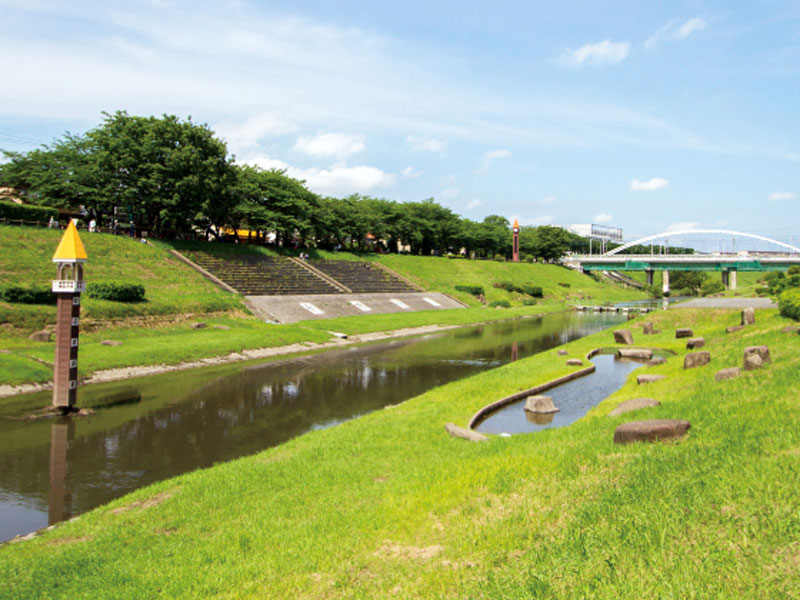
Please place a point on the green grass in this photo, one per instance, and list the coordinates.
(171, 287)
(389, 506)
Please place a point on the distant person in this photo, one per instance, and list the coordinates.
(52, 224)
(132, 230)
(115, 227)
(92, 226)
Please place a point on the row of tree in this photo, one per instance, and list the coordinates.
(175, 178)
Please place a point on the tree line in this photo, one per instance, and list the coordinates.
(174, 178)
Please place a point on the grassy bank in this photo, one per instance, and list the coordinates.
(389, 506)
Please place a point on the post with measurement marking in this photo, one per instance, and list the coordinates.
(69, 256)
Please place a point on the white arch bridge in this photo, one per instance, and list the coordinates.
(728, 264)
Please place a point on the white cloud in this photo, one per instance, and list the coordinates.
(603, 218)
(448, 193)
(651, 185)
(675, 31)
(548, 200)
(776, 196)
(410, 173)
(598, 54)
(423, 144)
(330, 145)
(247, 134)
(488, 158)
(682, 226)
(338, 180)
(474, 204)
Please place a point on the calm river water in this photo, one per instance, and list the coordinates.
(157, 427)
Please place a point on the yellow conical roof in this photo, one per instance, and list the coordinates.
(516, 223)
(70, 249)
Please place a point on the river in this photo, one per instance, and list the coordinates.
(157, 427)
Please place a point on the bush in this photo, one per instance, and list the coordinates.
(789, 303)
(10, 210)
(501, 303)
(116, 292)
(529, 258)
(33, 295)
(475, 290)
(794, 270)
(533, 290)
(762, 290)
(528, 302)
(507, 286)
(562, 284)
(711, 286)
(499, 258)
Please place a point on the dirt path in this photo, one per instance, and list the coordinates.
(130, 372)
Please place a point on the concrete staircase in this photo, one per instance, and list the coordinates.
(362, 277)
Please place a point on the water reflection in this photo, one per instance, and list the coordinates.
(159, 427)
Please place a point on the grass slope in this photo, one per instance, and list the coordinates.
(389, 506)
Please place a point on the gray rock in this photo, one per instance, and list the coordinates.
(647, 328)
(658, 360)
(762, 351)
(540, 405)
(728, 373)
(575, 362)
(40, 336)
(643, 353)
(623, 336)
(199, 325)
(563, 353)
(631, 405)
(693, 343)
(734, 328)
(790, 329)
(642, 379)
(463, 433)
(110, 343)
(752, 362)
(683, 332)
(696, 359)
(650, 431)
(748, 316)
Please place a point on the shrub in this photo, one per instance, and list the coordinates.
(499, 258)
(32, 295)
(762, 290)
(505, 285)
(711, 286)
(789, 303)
(533, 290)
(475, 290)
(500, 303)
(529, 258)
(529, 302)
(794, 270)
(562, 284)
(116, 292)
(11, 210)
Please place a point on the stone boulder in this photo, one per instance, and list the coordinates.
(631, 405)
(728, 373)
(623, 336)
(642, 379)
(563, 353)
(651, 431)
(540, 405)
(658, 360)
(762, 351)
(790, 329)
(111, 343)
(463, 433)
(683, 332)
(642, 353)
(199, 325)
(647, 328)
(574, 362)
(734, 328)
(40, 336)
(748, 316)
(752, 362)
(694, 343)
(696, 359)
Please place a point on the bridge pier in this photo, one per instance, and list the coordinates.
(665, 282)
(726, 279)
(732, 280)
(649, 274)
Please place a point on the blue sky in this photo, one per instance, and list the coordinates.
(645, 116)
